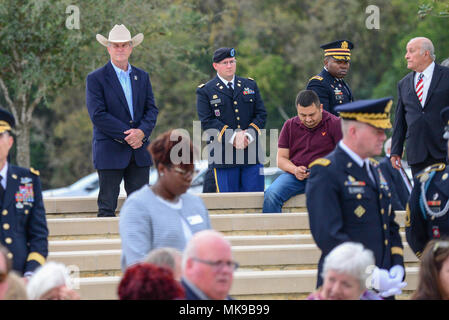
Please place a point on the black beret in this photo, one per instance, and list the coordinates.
(223, 53)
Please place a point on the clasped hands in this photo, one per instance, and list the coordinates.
(134, 138)
(241, 140)
(388, 283)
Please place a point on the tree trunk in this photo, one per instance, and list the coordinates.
(23, 146)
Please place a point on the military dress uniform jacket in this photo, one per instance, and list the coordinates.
(332, 92)
(220, 109)
(421, 223)
(345, 205)
(23, 223)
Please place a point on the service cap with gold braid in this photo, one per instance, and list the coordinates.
(339, 50)
(7, 121)
(445, 115)
(373, 112)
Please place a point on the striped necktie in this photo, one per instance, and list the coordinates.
(420, 87)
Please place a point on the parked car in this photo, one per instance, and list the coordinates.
(89, 185)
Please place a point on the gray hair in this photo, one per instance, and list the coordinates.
(165, 257)
(47, 277)
(350, 258)
(426, 45)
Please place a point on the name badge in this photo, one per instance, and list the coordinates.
(353, 190)
(193, 220)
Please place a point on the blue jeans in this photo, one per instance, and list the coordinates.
(282, 189)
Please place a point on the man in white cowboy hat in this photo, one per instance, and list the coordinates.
(120, 101)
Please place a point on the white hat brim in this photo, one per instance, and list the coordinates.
(136, 40)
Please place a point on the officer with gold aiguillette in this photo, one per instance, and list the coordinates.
(427, 215)
(329, 84)
(23, 225)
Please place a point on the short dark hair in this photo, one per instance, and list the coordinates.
(160, 149)
(305, 98)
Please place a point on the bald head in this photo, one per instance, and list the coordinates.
(420, 54)
(207, 264)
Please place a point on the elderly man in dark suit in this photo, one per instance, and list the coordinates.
(120, 101)
(422, 94)
(23, 223)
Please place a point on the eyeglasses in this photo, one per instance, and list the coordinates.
(225, 63)
(440, 245)
(3, 275)
(217, 265)
(183, 172)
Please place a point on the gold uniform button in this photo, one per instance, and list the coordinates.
(251, 100)
(235, 102)
(236, 110)
(6, 226)
(386, 242)
(385, 227)
(380, 196)
(5, 212)
(382, 210)
(238, 118)
(8, 240)
(359, 196)
(9, 255)
(27, 211)
(238, 126)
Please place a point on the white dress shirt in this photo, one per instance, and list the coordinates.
(427, 78)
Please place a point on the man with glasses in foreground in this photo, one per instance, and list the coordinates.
(207, 267)
(427, 210)
(232, 112)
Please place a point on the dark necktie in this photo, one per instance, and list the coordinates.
(231, 89)
(2, 192)
(369, 172)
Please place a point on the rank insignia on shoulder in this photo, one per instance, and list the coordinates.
(34, 171)
(250, 79)
(316, 78)
(201, 85)
(320, 161)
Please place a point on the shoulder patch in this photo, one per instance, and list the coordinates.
(250, 79)
(316, 78)
(34, 171)
(201, 85)
(320, 161)
(434, 167)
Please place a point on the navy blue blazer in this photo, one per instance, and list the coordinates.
(24, 226)
(421, 129)
(110, 115)
(225, 111)
(345, 205)
(331, 92)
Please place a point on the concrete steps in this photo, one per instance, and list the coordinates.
(254, 285)
(276, 252)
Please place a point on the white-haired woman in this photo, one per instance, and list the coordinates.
(345, 272)
(51, 282)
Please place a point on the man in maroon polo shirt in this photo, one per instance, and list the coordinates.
(312, 134)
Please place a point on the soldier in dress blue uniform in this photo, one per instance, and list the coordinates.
(427, 215)
(329, 84)
(232, 112)
(348, 199)
(23, 225)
